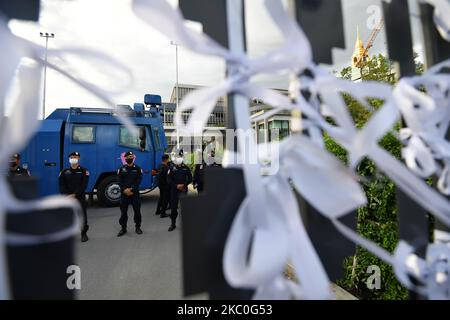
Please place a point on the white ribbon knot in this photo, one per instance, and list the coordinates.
(432, 273)
(424, 103)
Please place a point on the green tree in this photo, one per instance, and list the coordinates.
(377, 68)
(378, 219)
(420, 68)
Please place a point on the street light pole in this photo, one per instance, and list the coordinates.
(46, 36)
(176, 88)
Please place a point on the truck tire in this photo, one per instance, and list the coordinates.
(108, 192)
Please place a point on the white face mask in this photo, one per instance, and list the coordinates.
(178, 161)
(73, 161)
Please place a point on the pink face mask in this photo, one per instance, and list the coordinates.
(122, 158)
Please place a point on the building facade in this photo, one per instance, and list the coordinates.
(274, 128)
(216, 121)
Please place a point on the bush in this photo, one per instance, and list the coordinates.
(376, 221)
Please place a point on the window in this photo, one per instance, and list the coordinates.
(128, 139)
(168, 118)
(278, 130)
(158, 145)
(261, 133)
(83, 134)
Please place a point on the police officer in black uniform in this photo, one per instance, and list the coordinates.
(199, 173)
(15, 169)
(163, 186)
(73, 182)
(171, 165)
(130, 177)
(179, 177)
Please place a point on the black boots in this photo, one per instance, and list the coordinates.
(172, 227)
(122, 232)
(84, 237)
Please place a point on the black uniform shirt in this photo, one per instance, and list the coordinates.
(73, 181)
(179, 175)
(19, 171)
(214, 164)
(199, 174)
(162, 175)
(130, 177)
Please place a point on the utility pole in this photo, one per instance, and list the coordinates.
(176, 88)
(46, 36)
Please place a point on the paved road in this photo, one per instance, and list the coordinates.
(146, 266)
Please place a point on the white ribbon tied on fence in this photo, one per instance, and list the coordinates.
(425, 109)
(262, 224)
(364, 143)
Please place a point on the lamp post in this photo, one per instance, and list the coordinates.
(176, 88)
(45, 35)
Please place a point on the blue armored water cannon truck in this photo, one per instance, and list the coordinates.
(101, 140)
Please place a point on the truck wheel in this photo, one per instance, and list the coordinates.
(108, 192)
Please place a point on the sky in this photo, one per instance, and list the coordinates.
(110, 26)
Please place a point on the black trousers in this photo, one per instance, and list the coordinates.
(174, 199)
(83, 204)
(125, 201)
(168, 199)
(163, 201)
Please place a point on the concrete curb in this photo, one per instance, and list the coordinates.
(341, 294)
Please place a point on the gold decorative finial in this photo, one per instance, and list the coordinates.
(360, 53)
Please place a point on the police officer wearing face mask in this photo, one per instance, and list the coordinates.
(73, 182)
(130, 177)
(15, 169)
(179, 177)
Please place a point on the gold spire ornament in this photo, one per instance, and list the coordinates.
(360, 54)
